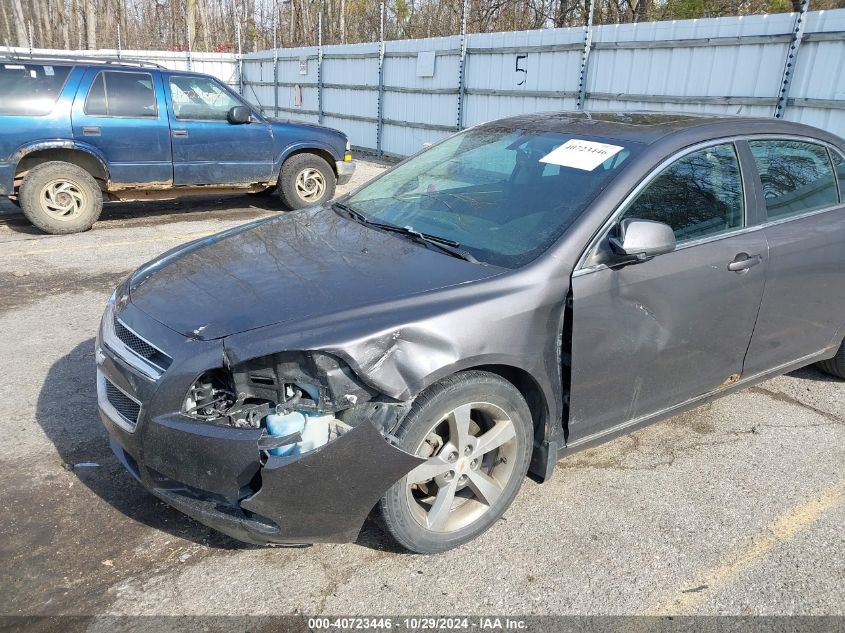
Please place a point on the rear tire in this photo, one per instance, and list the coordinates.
(60, 198)
(306, 180)
(835, 366)
(472, 471)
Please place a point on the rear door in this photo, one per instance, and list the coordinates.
(121, 113)
(651, 335)
(803, 308)
(207, 149)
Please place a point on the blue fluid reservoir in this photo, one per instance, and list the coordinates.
(281, 424)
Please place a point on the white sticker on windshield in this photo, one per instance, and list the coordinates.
(33, 74)
(586, 155)
(48, 70)
(14, 67)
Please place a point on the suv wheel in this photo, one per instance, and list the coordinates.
(306, 180)
(60, 198)
(475, 431)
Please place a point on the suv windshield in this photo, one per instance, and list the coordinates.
(503, 195)
(30, 89)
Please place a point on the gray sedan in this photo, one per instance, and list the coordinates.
(519, 291)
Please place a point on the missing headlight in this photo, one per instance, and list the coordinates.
(211, 396)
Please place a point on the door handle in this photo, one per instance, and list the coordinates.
(180, 133)
(90, 130)
(743, 261)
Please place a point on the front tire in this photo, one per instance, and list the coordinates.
(475, 431)
(60, 198)
(306, 180)
(836, 365)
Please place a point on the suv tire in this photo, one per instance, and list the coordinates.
(835, 366)
(60, 198)
(456, 505)
(306, 180)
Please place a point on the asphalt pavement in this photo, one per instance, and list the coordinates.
(735, 508)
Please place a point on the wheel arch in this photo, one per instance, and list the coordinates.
(84, 157)
(538, 405)
(323, 151)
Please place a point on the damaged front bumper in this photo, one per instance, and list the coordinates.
(219, 475)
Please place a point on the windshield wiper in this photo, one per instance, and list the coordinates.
(450, 247)
(445, 245)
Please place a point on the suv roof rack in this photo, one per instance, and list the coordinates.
(94, 61)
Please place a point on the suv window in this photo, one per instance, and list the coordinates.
(698, 195)
(200, 98)
(121, 94)
(797, 176)
(30, 89)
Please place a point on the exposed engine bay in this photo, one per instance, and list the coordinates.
(300, 400)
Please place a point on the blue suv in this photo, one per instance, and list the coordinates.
(73, 133)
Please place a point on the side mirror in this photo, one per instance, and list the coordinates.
(239, 114)
(640, 240)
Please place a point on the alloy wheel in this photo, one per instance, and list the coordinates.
(310, 184)
(470, 455)
(62, 199)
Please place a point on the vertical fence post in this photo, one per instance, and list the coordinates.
(585, 57)
(459, 122)
(380, 97)
(275, 68)
(189, 55)
(320, 65)
(29, 28)
(791, 61)
(118, 40)
(240, 61)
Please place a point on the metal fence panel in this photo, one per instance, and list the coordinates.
(731, 65)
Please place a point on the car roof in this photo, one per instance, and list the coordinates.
(650, 127)
(116, 63)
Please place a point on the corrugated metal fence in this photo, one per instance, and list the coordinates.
(396, 100)
(393, 96)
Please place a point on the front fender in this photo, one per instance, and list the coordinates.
(299, 147)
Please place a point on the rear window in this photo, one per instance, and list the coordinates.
(797, 176)
(122, 94)
(30, 89)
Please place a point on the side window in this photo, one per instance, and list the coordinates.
(797, 176)
(121, 94)
(200, 98)
(30, 89)
(697, 195)
(839, 168)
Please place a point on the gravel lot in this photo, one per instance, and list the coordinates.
(735, 508)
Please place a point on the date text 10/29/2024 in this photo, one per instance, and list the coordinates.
(418, 623)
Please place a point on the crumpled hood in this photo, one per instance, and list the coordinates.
(289, 267)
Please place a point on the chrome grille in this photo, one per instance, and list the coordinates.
(141, 347)
(123, 404)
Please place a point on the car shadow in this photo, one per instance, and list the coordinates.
(148, 213)
(67, 413)
(811, 372)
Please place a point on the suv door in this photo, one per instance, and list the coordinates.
(803, 308)
(651, 335)
(207, 148)
(121, 113)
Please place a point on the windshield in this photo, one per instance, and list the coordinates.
(504, 195)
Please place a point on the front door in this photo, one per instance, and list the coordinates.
(121, 113)
(207, 149)
(651, 335)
